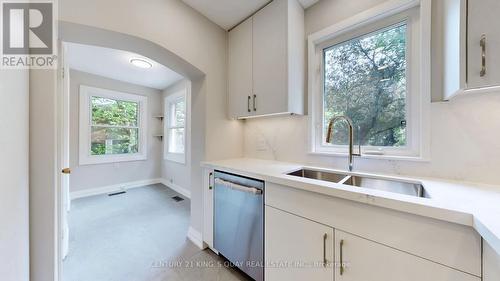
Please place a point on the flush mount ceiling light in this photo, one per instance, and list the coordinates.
(141, 63)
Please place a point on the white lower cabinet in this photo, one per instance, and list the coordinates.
(208, 207)
(365, 260)
(295, 248)
(301, 249)
(491, 263)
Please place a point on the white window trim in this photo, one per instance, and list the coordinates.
(85, 158)
(371, 20)
(181, 93)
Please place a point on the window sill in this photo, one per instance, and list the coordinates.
(375, 157)
(93, 160)
(179, 158)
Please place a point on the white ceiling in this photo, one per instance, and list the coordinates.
(115, 64)
(228, 13)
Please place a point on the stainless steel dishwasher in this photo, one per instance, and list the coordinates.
(239, 222)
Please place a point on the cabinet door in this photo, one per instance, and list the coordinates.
(370, 261)
(270, 58)
(240, 70)
(295, 248)
(208, 207)
(491, 263)
(483, 19)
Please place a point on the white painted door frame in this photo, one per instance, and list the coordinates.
(63, 181)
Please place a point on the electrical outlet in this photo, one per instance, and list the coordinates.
(261, 144)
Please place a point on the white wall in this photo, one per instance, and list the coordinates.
(465, 131)
(100, 175)
(14, 199)
(174, 173)
(327, 12)
(43, 174)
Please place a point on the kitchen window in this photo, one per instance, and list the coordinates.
(112, 126)
(365, 79)
(175, 126)
(371, 74)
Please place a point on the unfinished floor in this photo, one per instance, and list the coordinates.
(137, 236)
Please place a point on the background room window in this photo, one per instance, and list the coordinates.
(175, 127)
(112, 126)
(371, 74)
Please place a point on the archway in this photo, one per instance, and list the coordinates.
(82, 34)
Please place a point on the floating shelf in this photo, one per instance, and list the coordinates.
(160, 136)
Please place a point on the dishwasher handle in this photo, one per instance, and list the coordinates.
(238, 187)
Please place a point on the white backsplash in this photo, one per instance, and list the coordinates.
(465, 142)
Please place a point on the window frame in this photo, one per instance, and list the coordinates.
(377, 19)
(168, 101)
(85, 126)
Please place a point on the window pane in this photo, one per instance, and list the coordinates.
(106, 141)
(365, 79)
(114, 112)
(176, 140)
(178, 113)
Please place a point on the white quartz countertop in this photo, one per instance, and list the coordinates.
(475, 205)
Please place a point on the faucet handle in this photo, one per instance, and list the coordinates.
(359, 142)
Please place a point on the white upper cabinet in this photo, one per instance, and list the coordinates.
(470, 40)
(240, 69)
(483, 43)
(451, 19)
(266, 62)
(270, 58)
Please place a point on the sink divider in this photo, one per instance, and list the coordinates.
(346, 178)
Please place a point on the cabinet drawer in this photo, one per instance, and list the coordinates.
(452, 245)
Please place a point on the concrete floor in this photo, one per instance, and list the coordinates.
(137, 236)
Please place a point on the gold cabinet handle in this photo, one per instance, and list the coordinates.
(325, 262)
(248, 104)
(482, 43)
(341, 257)
(66, 171)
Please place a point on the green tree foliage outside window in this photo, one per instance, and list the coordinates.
(115, 126)
(365, 79)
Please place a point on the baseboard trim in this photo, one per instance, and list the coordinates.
(112, 188)
(195, 237)
(177, 188)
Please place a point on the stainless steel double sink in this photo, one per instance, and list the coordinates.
(390, 185)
